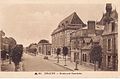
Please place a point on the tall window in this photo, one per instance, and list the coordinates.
(113, 26)
(109, 44)
(85, 58)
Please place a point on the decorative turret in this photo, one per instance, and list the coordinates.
(108, 8)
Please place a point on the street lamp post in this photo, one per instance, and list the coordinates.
(77, 54)
(65, 61)
(76, 63)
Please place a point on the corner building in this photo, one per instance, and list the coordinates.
(61, 35)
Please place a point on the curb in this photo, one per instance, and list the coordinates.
(64, 67)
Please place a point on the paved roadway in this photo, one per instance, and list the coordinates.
(37, 63)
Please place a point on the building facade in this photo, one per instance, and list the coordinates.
(82, 40)
(44, 47)
(110, 39)
(61, 35)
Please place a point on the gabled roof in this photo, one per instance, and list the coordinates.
(71, 22)
(71, 19)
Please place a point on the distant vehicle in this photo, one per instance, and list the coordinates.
(46, 57)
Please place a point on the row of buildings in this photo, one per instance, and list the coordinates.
(42, 47)
(6, 43)
(79, 37)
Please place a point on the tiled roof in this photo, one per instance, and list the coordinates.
(73, 21)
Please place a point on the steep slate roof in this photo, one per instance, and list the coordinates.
(113, 15)
(72, 19)
(107, 29)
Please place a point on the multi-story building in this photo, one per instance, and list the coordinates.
(110, 38)
(83, 39)
(61, 35)
(44, 47)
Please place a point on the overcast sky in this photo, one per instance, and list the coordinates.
(29, 23)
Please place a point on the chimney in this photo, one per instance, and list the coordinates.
(91, 27)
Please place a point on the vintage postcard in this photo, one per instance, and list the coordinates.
(59, 38)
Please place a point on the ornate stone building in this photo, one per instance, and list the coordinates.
(82, 40)
(110, 38)
(61, 35)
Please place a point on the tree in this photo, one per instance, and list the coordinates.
(12, 44)
(1, 39)
(96, 54)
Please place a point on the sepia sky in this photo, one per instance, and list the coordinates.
(31, 22)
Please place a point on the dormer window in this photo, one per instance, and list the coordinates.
(113, 26)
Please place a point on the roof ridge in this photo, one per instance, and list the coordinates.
(72, 15)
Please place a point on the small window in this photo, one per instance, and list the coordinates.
(113, 26)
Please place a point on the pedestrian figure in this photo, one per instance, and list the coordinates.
(16, 56)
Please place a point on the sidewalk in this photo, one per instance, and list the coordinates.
(70, 65)
(10, 67)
